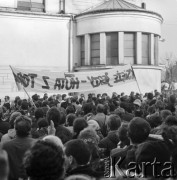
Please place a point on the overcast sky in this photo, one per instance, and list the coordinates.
(168, 10)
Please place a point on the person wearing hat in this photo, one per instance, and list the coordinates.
(137, 108)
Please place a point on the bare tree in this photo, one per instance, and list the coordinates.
(171, 69)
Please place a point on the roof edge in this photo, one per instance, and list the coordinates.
(118, 10)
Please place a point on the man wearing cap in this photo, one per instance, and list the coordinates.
(137, 108)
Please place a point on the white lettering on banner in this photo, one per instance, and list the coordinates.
(72, 82)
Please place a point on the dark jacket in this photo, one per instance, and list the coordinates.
(102, 120)
(63, 133)
(86, 170)
(16, 149)
(110, 141)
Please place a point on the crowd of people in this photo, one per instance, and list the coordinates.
(60, 137)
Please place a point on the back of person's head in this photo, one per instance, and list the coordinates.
(62, 118)
(42, 122)
(54, 139)
(150, 96)
(159, 105)
(70, 119)
(35, 97)
(151, 109)
(165, 113)
(152, 152)
(24, 105)
(88, 134)
(22, 126)
(70, 109)
(138, 130)
(87, 108)
(54, 115)
(93, 124)
(4, 165)
(44, 161)
(114, 122)
(63, 96)
(171, 120)
(78, 177)
(79, 124)
(79, 150)
(39, 113)
(154, 121)
(13, 116)
(119, 111)
(172, 99)
(123, 134)
(100, 108)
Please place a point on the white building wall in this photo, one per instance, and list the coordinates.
(119, 21)
(32, 40)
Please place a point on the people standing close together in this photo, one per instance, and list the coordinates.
(73, 137)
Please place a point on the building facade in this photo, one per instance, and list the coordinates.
(55, 35)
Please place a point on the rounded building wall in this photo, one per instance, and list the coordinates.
(117, 37)
(119, 21)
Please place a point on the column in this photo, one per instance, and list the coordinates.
(121, 47)
(87, 49)
(152, 61)
(103, 48)
(139, 48)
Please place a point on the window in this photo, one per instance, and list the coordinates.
(31, 5)
(95, 49)
(82, 43)
(129, 48)
(156, 49)
(145, 49)
(111, 48)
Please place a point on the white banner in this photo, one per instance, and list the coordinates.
(38, 81)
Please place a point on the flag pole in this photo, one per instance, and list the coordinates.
(14, 76)
(29, 97)
(23, 88)
(136, 80)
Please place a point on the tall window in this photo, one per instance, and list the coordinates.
(156, 49)
(145, 49)
(31, 5)
(82, 43)
(111, 48)
(129, 48)
(95, 49)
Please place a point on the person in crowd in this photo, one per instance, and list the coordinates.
(61, 131)
(69, 121)
(89, 136)
(11, 134)
(78, 158)
(4, 165)
(137, 108)
(123, 136)
(38, 113)
(138, 132)
(111, 140)
(79, 177)
(4, 126)
(152, 152)
(42, 129)
(17, 147)
(88, 110)
(6, 104)
(45, 161)
(101, 118)
(171, 103)
(54, 139)
(78, 125)
(74, 103)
